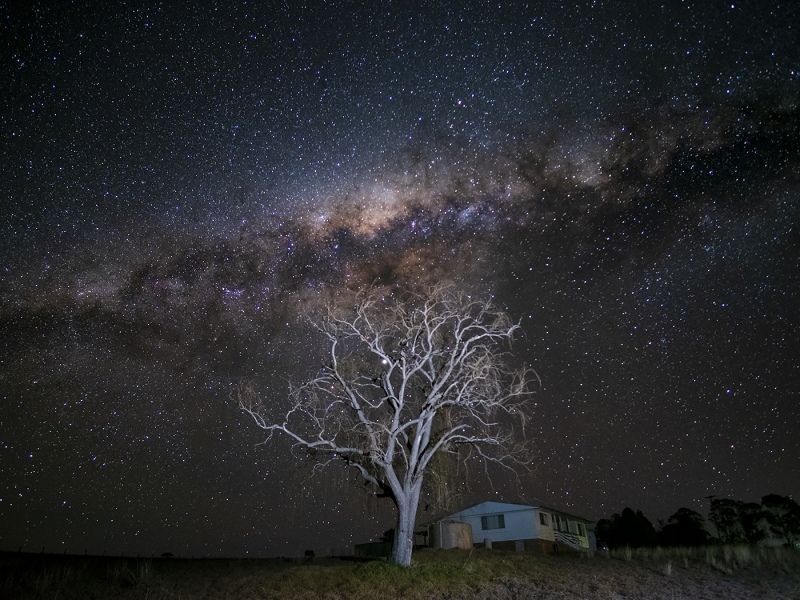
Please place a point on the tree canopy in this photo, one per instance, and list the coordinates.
(684, 528)
(737, 522)
(783, 516)
(627, 529)
(408, 376)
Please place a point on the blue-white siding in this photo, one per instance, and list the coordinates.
(520, 522)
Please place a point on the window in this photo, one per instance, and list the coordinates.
(557, 523)
(493, 522)
(581, 530)
(572, 527)
(543, 519)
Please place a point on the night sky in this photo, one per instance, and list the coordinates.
(181, 186)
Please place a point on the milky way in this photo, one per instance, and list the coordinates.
(182, 188)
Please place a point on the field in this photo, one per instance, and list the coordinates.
(731, 573)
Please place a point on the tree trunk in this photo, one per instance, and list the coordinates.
(404, 532)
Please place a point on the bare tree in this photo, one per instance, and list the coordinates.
(408, 376)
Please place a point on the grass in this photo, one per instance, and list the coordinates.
(733, 572)
(722, 558)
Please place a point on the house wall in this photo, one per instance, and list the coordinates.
(545, 532)
(519, 524)
(592, 539)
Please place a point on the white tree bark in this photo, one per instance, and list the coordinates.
(407, 376)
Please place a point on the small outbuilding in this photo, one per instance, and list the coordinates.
(448, 534)
(373, 549)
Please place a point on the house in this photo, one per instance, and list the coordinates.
(525, 528)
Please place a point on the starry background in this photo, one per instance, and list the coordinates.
(182, 185)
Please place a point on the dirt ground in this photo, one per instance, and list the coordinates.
(613, 579)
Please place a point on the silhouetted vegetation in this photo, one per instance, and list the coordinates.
(783, 516)
(388, 536)
(776, 520)
(737, 522)
(685, 528)
(627, 529)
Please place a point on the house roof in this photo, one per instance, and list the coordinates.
(485, 508)
(490, 507)
(561, 512)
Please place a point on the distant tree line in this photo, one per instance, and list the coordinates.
(736, 522)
